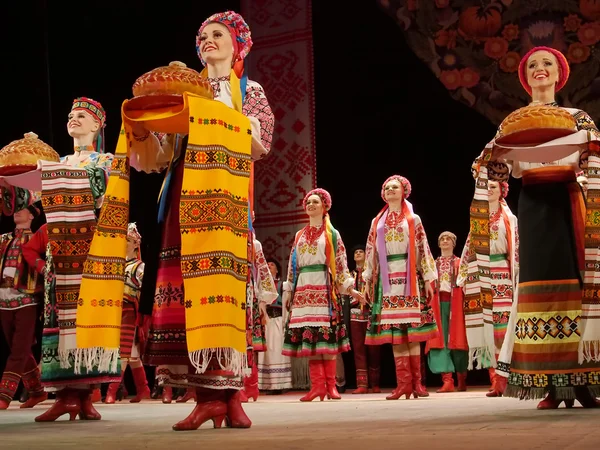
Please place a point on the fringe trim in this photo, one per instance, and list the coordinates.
(589, 351)
(560, 393)
(103, 360)
(228, 358)
(483, 356)
(300, 373)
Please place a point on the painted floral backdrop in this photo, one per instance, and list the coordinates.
(474, 47)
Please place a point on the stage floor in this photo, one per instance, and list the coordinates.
(445, 421)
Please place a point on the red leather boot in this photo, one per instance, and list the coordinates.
(32, 383)
(67, 402)
(551, 403)
(404, 379)
(251, 384)
(448, 385)
(330, 368)
(142, 391)
(87, 411)
(494, 391)
(111, 393)
(167, 395)
(211, 404)
(236, 416)
(492, 373)
(190, 393)
(318, 387)
(415, 369)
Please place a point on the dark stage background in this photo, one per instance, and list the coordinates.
(379, 110)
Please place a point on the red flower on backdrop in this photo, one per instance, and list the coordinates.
(496, 47)
(572, 22)
(469, 77)
(578, 53)
(446, 38)
(442, 3)
(589, 33)
(451, 79)
(510, 62)
(510, 32)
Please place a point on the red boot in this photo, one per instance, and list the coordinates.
(551, 403)
(167, 395)
(236, 416)
(318, 387)
(96, 395)
(462, 381)
(494, 390)
(492, 373)
(67, 402)
(374, 376)
(448, 385)
(31, 381)
(404, 379)
(415, 369)
(330, 368)
(87, 411)
(111, 393)
(190, 393)
(251, 384)
(142, 391)
(211, 404)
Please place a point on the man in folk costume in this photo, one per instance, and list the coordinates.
(261, 292)
(21, 291)
(367, 358)
(197, 331)
(487, 316)
(448, 353)
(130, 349)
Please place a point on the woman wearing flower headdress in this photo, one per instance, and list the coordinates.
(398, 261)
(317, 275)
(486, 327)
(130, 349)
(222, 43)
(552, 348)
(71, 199)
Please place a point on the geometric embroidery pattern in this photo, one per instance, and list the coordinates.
(555, 327)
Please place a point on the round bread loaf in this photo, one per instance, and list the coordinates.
(22, 155)
(537, 117)
(174, 79)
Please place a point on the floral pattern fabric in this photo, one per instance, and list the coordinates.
(474, 47)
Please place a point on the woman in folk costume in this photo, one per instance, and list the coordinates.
(398, 263)
(21, 292)
(552, 349)
(210, 364)
(72, 194)
(129, 350)
(317, 275)
(448, 353)
(261, 292)
(487, 324)
(274, 368)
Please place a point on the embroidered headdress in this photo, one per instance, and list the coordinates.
(240, 34)
(97, 111)
(323, 195)
(406, 187)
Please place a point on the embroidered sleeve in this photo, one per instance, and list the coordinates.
(151, 153)
(585, 122)
(425, 260)
(34, 251)
(289, 284)
(516, 251)
(257, 105)
(463, 269)
(98, 172)
(139, 274)
(370, 253)
(344, 280)
(264, 284)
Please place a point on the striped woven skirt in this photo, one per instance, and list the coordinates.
(128, 319)
(167, 344)
(547, 330)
